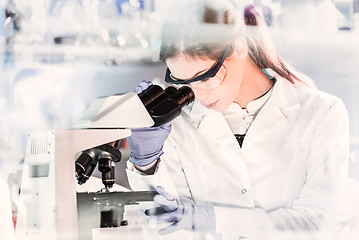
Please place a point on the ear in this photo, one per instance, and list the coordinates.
(241, 48)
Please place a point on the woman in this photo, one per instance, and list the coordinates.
(260, 154)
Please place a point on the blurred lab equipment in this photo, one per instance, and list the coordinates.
(112, 31)
(6, 225)
(250, 12)
(11, 22)
(345, 14)
(26, 21)
(50, 207)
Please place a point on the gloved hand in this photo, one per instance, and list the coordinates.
(182, 214)
(146, 143)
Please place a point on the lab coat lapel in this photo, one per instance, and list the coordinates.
(275, 117)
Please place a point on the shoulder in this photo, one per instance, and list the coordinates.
(319, 101)
(310, 99)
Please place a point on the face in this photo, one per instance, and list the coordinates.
(217, 93)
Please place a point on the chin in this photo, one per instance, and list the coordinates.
(221, 107)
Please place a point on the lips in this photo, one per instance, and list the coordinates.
(211, 105)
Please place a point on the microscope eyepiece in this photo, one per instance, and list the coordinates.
(149, 95)
(165, 105)
(183, 96)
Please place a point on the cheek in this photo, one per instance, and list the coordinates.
(231, 89)
(200, 94)
(226, 96)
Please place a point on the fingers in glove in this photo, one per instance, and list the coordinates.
(161, 191)
(165, 218)
(155, 211)
(167, 205)
(165, 200)
(143, 85)
(166, 126)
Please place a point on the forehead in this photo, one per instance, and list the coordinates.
(185, 67)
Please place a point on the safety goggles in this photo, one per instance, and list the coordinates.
(209, 80)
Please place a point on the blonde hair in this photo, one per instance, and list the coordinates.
(203, 28)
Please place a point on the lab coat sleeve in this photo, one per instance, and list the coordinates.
(314, 214)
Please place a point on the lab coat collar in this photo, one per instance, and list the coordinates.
(284, 98)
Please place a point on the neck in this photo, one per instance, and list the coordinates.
(254, 85)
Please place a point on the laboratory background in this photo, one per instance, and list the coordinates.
(58, 56)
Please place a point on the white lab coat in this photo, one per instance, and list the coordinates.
(285, 181)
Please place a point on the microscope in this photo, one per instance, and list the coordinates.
(57, 161)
